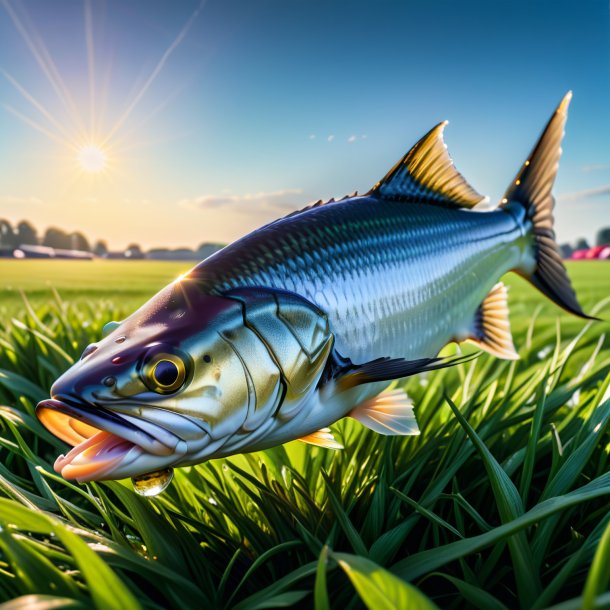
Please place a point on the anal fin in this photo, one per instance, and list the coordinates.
(491, 329)
(390, 413)
(322, 438)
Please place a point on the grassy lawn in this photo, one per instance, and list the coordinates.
(130, 282)
(501, 502)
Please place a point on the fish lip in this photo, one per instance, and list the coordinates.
(105, 420)
(105, 445)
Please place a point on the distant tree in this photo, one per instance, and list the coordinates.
(566, 250)
(8, 238)
(207, 249)
(582, 244)
(79, 242)
(26, 234)
(56, 238)
(100, 248)
(177, 254)
(133, 251)
(603, 237)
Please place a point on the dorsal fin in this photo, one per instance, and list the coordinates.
(426, 174)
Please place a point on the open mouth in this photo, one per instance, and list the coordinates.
(106, 445)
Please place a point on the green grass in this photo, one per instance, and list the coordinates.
(502, 502)
(126, 283)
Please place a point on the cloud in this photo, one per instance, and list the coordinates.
(600, 191)
(353, 138)
(12, 200)
(332, 137)
(277, 201)
(594, 167)
(89, 200)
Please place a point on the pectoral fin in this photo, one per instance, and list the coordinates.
(389, 413)
(322, 438)
(346, 374)
(491, 329)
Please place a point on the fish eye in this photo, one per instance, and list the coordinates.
(164, 373)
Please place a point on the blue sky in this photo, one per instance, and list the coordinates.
(231, 113)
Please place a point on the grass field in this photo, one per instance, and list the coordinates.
(127, 283)
(501, 502)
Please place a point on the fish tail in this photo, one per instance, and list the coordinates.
(530, 198)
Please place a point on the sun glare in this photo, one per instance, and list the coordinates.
(92, 159)
(92, 142)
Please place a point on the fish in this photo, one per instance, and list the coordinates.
(310, 319)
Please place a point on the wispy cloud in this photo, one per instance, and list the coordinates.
(600, 191)
(12, 200)
(595, 167)
(354, 138)
(277, 201)
(332, 137)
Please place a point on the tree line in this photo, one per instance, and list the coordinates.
(601, 239)
(25, 234)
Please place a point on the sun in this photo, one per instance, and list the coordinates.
(92, 159)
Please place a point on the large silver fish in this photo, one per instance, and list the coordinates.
(308, 319)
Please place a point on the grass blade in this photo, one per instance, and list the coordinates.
(380, 589)
(599, 574)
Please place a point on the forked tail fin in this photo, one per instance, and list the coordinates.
(531, 189)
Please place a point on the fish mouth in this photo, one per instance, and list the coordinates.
(105, 444)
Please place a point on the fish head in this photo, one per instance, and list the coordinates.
(162, 386)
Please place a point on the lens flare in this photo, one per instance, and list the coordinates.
(92, 159)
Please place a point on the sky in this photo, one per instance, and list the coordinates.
(171, 123)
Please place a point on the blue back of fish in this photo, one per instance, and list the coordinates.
(396, 278)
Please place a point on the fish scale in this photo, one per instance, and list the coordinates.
(396, 279)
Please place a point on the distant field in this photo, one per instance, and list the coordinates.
(130, 283)
(127, 283)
